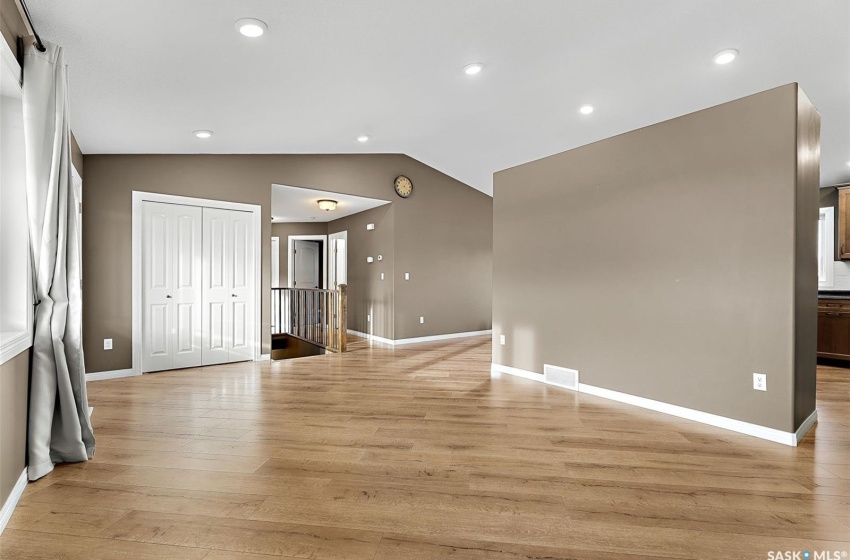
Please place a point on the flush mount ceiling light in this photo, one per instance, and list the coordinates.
(363, 138)
(473, 69)
(725, 57)
(586, 109)
(327, 204)
(203, 134)
(250, 27)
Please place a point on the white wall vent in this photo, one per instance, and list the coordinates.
(562, 377)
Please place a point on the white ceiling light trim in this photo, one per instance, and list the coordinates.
(203, 134)
(473, 69)
(726, 56)
(586, 109)
(251, 27)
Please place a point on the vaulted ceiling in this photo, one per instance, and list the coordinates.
(146, 74)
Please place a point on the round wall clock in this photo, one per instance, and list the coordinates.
(403, 186)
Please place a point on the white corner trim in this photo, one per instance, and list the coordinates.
(739, 426)
(114, 374)
(372, 337)
(804, 428)
(264, 358)
(12, 500)
(441, 337)
(10, 62)
(14, 345)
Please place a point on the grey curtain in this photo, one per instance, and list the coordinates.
(59, 429)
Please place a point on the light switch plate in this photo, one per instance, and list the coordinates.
(368, 318)
(502, 339)
(107, 344)
(760, 382)
(407, 276)
(421, 320)
(382, 276)
(370, 227)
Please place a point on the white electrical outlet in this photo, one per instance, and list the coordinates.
(370, 227)
(421, 320)
(760, 382)
(502, 339)
(407, 276)
(107, 344)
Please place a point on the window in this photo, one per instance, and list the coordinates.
(826, 247)
(15, 289)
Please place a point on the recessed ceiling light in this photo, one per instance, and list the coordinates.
(586, 109)
(473, 69)
(725, 57)
(203, 133)
(250, 27)
(363, 138)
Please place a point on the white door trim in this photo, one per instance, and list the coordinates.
(138, 198)
(275, 262)
(332, 260)
(290, 254)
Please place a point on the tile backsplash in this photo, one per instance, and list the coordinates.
(841, 276)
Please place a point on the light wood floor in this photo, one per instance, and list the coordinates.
(415, 453)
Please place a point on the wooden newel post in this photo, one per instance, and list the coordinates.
(342, 317)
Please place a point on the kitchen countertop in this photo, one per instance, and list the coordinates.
(837, 294)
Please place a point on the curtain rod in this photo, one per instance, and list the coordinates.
(38, 44)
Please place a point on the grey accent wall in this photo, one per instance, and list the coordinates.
(669, 262)
(441, 208)
(368, 295)
(14, 387)
(283, 231)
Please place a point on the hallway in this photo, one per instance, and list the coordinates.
(415, 453)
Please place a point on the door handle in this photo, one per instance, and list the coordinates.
(169, 297)
(232, 295)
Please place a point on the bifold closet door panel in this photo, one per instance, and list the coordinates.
(217, 283)
(188, 288)
(157, 286)
(242, 287)
(171, 286)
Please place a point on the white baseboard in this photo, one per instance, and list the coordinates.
(441, 337)
(807, 425)
(264, 357)
(372, 337)
(755, 430)
(433, 338)
(12, 500)
(114, 374)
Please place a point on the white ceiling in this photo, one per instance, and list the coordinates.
(294, 204)
(145, 74)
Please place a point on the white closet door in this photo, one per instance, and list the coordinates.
(217, 283)
(157, 286)
(242, 287)
(228, 291)
(188, 290)
(171, 271)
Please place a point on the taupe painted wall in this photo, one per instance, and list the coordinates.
(11, 23)
(283, 231)
(441, 208)
(14, 383)
(76, 155)
(807, 204)
(367, 293)
(670, 262)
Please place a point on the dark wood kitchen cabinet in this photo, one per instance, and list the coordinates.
(834, 329)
